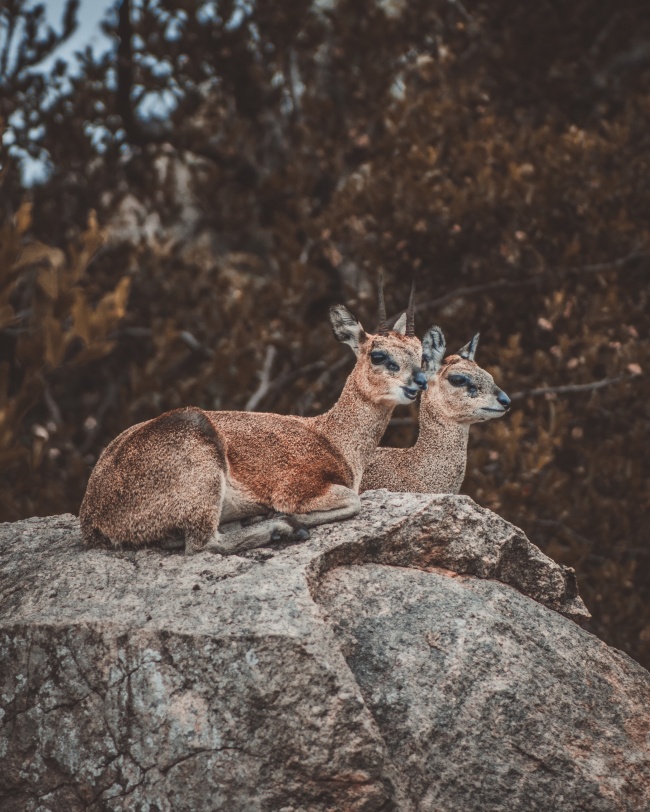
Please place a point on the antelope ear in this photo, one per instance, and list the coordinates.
(346, 328)
(469, 350)
(433, 351)
(400, 325)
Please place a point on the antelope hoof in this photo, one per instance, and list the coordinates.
(301, 534)
(193, 550)
(282, 531)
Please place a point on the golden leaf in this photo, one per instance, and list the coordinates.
(91, 240)
(48, 282)
(81, 317)
(36, 253)
(112, 306)
(53, 341)
(23, 217)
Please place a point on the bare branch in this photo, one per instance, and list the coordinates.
(510, 284)
(304, 403)
(470, 290)
(611, 265)
(193, 343)
(287, 377)
(265, 379)
(95, 426)
(571, 389)
(125, 75)
(6, 50)
(52, 405)
(554, 523)
(461, 8)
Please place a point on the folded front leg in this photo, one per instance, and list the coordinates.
(336, 504)
(232, 538)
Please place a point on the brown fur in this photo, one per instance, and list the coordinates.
(142, 495)
(181, 475)
(437, 461)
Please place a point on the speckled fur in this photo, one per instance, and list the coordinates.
(437, 461)
(180, 475)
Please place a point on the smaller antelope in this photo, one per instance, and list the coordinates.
(174, 479)
(460, 393)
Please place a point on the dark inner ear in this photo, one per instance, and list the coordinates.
(469, 350)
(433, 350)
(347, 328)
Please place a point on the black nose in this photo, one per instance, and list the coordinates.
(420, 379)
(504, 400)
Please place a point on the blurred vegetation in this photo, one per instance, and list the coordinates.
(252, 163)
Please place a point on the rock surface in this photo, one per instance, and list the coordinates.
(352, 672)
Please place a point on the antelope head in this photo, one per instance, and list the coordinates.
(388, 368)
(462, 390)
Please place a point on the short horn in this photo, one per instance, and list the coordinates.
(410, 312)
(382, 329)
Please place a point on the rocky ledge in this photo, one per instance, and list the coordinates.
(420, 657)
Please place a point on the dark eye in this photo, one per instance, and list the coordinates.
(457, 380)
(392, 366)
(378, 356)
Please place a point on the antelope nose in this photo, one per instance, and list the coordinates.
(420, 379)
(504, 400)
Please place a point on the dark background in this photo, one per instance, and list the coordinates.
(226, 171)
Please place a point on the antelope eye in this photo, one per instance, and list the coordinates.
(391, 366)
(378, 356)
(457, 380)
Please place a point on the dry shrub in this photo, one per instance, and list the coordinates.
(498, 151)
(47, 324)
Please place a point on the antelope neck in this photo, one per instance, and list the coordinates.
(438, 431)
(355, 425)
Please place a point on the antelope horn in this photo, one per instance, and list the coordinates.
(410, 312)
(382, 329)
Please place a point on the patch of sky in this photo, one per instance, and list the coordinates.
(255, 34)
(174, 21)
(398, 88)
(34, 162)
(87, 34)
(99, 136)
(324, 5)
(157, 105)
(208, 13)
(243, 8)
(160, 68)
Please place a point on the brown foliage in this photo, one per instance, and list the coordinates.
(497, 151)
(47, 324)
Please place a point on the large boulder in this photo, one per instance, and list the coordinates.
(374, 667)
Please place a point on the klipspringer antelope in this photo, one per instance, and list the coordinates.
(460, 393)
(176, 478)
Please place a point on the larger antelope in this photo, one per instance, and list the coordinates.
(175, 479)
(460, 393)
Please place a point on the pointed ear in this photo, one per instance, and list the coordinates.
(433, 350)
(400, 325)
(346, 328)
(469, 350)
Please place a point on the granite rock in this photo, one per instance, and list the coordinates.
(418, 657)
